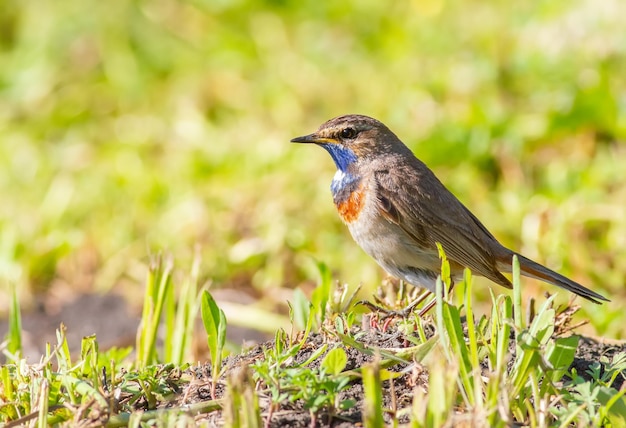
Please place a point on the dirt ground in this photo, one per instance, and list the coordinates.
(397, 393)
(120, 326)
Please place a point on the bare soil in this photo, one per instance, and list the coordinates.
(397, 393)
(111, 320)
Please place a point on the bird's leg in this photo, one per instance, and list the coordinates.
(433, 302)
(391, 312)
(404, 313)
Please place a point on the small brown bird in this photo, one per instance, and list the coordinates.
(397, 211)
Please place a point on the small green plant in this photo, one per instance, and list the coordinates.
(319, 388)
(150, 385)
(272, 370)
(497, 396)
(595, 402)
(342, 307)
(287, 380)
(158, 283)
(161, 307)
(214, 322)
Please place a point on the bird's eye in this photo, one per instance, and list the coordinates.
(348, 133)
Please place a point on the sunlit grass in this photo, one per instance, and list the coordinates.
(166, 124)
(474, 373)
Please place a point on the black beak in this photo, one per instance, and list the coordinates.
(315, 139)
(311, 138)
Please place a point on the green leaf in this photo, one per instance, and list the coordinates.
(347, 404)
(615, 404)
(561, 355)
(301, 309)
(335, 361)
(214, 322)
(321, 294)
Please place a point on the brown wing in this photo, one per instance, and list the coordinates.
(414, 199)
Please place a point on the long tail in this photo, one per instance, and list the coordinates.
(535, 270)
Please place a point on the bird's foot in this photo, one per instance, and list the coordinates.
(387, 316)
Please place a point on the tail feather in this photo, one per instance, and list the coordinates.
(533, 269)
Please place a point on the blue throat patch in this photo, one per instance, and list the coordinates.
(344, 181)
(342, 156)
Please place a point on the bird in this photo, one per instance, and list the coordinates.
(397, 211)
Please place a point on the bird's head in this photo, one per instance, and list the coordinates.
(352, 139)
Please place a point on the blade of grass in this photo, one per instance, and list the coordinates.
(14, 345)
(42, 418)
(460, 352)
(441, 395)
(373, 396)
(322, 293)
(186, 312)
(517, 300)
(300, 310)
(158, 282)
(531, 342)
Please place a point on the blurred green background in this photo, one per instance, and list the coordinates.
(129, 127)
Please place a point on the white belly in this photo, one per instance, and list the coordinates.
(393, 249)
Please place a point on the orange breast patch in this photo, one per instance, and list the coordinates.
(350, 208)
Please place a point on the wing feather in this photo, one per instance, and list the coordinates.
(437, 216)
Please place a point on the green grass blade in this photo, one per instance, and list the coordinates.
(42, 418)
(158, 282)
(373, 396)
(517, 295)
(469, 316)
(460, 352)
(322, 293)
(301, 310)
(441, 394)
(89, 358)
(169, 321)
(530, 343)
(186, 312)
(14, 336)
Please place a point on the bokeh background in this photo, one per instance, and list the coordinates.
(133, 127)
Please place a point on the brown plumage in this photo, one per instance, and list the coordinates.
(397, 210)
